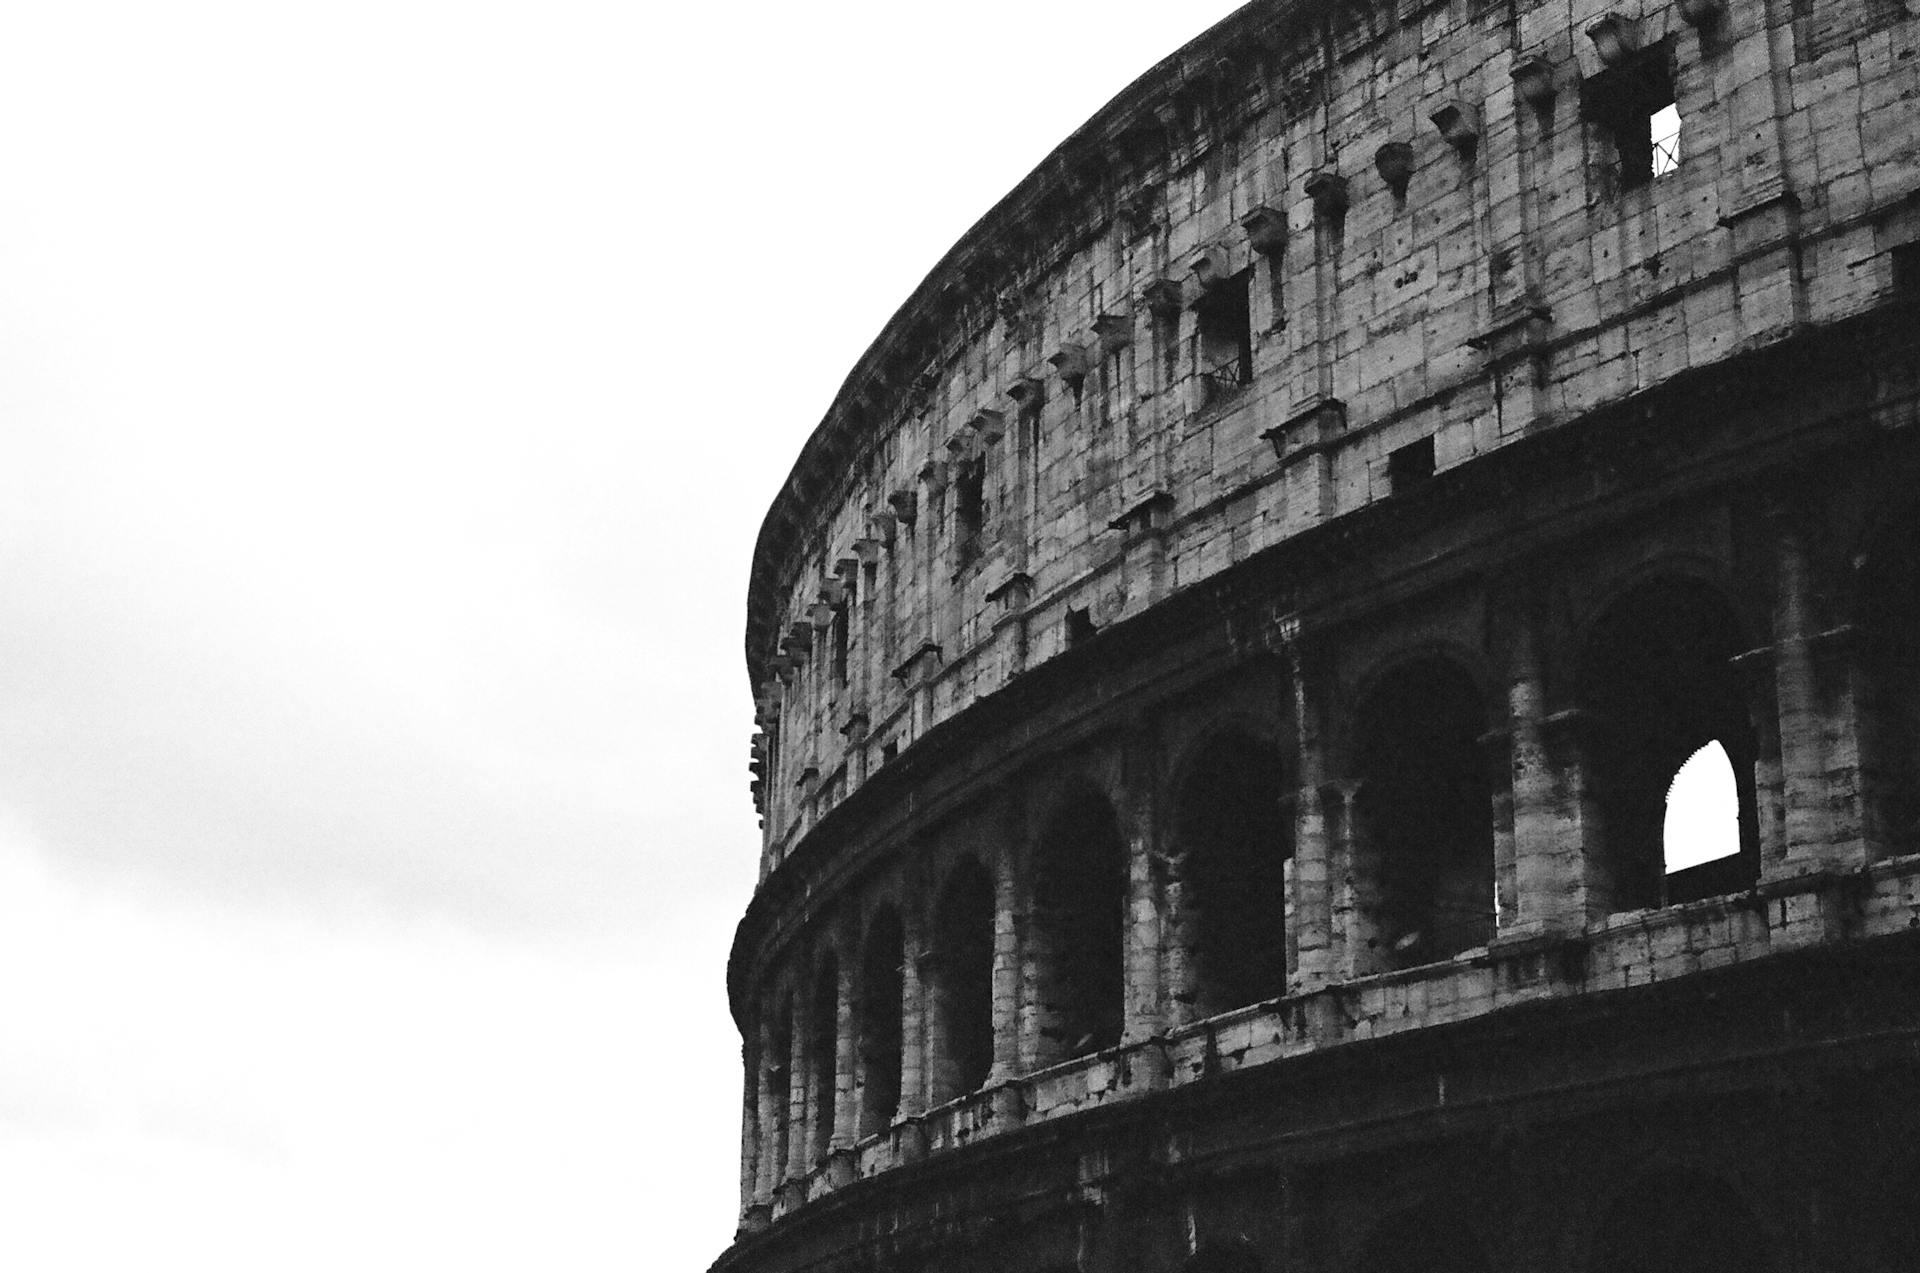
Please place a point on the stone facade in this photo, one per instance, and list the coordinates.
(1222, 659)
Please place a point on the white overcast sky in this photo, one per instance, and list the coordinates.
(389, 396)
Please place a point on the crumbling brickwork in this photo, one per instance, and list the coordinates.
(1222, 660)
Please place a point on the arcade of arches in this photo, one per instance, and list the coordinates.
(1288, 826)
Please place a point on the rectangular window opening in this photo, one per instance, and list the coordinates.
(970, 508)
(1634, 104)
(1225, 346)
(1410, 467)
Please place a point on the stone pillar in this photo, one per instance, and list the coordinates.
(1311, 920)
(1353, 889)
(749, 1119)
(772, 1103)
(846, 1100)
(1802, 742)
(913, 1012)
(1555, 842)
(796, 1164)
(1008, 922)
(1179, 969)
(1140, 790)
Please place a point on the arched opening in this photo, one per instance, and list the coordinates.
(1657, 677)
(1702, 821)
(961, 989)
(1679, 1222)
(1889, 619)
(1079, 904)
(1233, 845)
(1424, 838)
(878, 1029)
(1424, 1240)
(823, 1041)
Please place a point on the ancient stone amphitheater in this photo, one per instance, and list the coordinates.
(1224, 657)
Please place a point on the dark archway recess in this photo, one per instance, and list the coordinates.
(1679, 1222)
(1425, 816)
(961, 992)
(823, 1041)
(1889, 620)
(878, 1029)
(777, 1069)
(1234, 841)
(1079, 905)
(1657, 676)
(1424, 1240)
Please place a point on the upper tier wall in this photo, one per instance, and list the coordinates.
(1443, 228)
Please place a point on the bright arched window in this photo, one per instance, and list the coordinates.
(1703, 811)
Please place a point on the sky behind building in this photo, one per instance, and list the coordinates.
(389, 395)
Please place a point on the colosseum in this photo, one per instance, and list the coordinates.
(1223, 660)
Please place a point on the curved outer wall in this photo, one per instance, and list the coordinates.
(1221, 660)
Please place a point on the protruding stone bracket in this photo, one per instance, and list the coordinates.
(1212, 265)
(1533, 81)
(809, 774)
(1459, 125)
(988, 425)
(1517, 331)
(1328, 190)
(1073, 364)
(964, 444)
(1149, 516)
(868, 549)
(820, 614)
(1012, 593)
(1114, 331)
(847, 569)
(918, 666)
(1162, 297)
(1266, 230)
(1139, 212)
(884, 526)
(799, 638)
(933, 475)
(1615, 38)
(1394, 162)
(1028, 394)
(1315, 424)
(1703, 15)
(854, 727)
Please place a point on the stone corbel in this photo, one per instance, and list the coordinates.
(854, 728)
(964, 443)
(799, 637)
(809, 774)
(988, 425)
(1028, 393)
(906, 508)
(934, 475)
(847, 569)
(918, 666)
(1072, 363)
(1517, 331)
(1115, 331)
(1146, 517)
(820, 614)
(1394, 162)
(1328, 190)
(1615, 38)
(1162, 297)
(1702, 15)
(1212, 265)
(1459, 125)
(1533, 82)
(1315, 424)
(1013, 592)
(1138, 212)
(1266, 230)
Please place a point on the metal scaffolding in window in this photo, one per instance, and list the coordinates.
(1665, 126)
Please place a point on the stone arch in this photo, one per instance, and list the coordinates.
(1657, 681)
(1887, 613)
(1424, 1239)
(960, 982)
(1232, 839)
(1423, 831)
(776, 1070)
(1078, 926)
(1679, 1221)
(823, 1054)
(879, 1033)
